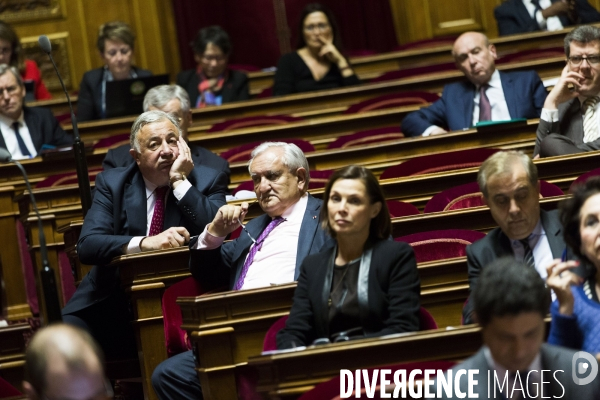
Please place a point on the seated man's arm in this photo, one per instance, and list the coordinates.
(418, 122)
(586, 12)
(473, 269)
(509, 24)
(539, 94)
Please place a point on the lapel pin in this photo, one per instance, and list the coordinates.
(314, 217)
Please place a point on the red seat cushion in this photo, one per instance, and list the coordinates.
(367, 137)
(270, 342)
(442, 244)
(393, 100)
(584, 177)
(401, 209)
(112, 141)
(67, 178)
(531, 54)
(247, 122)
(242, 153)
(414, 72)
(427, 43)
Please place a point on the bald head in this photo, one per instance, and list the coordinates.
(64, 362)
(475, 57)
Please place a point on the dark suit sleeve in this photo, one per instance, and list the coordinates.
(415, 123)
(586, 12)
(85, 101)
(243, 91)
(473, 269)
(109, 160)
(509, 21)
(98, 244)
(284, 81)
(539, 94)
(544, 129)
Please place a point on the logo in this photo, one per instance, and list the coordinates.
(582, 368)
(137, 88)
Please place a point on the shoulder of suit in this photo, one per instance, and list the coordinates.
(492, 235)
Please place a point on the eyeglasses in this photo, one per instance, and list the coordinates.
(11, 90)
(577, 60)
(322, 26)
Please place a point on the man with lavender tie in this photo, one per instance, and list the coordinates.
(486, 95)
(158, 202)
(269, 252)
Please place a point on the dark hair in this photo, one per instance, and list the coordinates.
(115, 30)
(582, 34)
(381, 225)
(318, 7)
(211, 34)
(569, 213)
(17, 59)
(509, 287)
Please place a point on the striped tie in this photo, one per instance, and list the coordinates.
(590, 119)
(528, 253)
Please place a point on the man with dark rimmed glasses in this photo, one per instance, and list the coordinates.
(570, 120)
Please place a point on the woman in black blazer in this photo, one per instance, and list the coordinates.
(211, 83)
(367, 286)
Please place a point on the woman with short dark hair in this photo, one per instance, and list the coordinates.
(366, 286)
(212, 83)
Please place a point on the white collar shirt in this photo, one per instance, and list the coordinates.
(495, 95)
(10, 138)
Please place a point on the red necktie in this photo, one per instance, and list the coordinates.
(485, 108)
(158, 217)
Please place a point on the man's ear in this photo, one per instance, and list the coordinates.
(493, 51)
(301, 175)
(135, 156)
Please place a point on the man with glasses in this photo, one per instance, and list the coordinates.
(25, 130)
(173, 100)
(570, 120)
(64, 362)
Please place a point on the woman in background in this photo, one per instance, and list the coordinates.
(318, 63)
(11, 53)
(115, 44)
(212, 83)
(366, 286)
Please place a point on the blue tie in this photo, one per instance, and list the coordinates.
(22, 146)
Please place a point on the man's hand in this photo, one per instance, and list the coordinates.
(226, 220)
(556, 9)
(331, 53)
(183, 164)
(172, 237)
(561, 92)
(438, 131)
(560, 279)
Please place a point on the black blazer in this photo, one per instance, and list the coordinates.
(89, 102)
(496, 245)
(512, 17)
(118, 213)
(43, 128)
(226, 262)
(388, 303)
(235, 87)
(120, 157)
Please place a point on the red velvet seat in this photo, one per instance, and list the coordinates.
(242, 153)
(7, 390)
(367, 137)
(67, 178)
(427, 43)
(432, 163)
(243, 67)
(584, 177)
(248, 122)
(468, 195)
(442, 244)
(266, 92)
(531, 54)
(112, 141)
(393, 100)
(401, 209)
(414, 72)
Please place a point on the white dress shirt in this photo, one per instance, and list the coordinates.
(10, 138)
(275, 263)
(538, 242)
(550, 24)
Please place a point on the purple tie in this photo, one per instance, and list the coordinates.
(485, 108)
(257, 246)
(156, 226)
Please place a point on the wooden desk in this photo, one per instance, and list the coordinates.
(12, 353)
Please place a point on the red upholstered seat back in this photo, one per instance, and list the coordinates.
(432, 163)
(401, 209)
(584, 177)
(367, 137)
(414, 72)
(427, 43)
(243, 67)
(270, 342)
(440, 245)
(7, 390)
(468, 195)
(531, 54)
(393, 100)
(266, 92)
(112, 141)
(247, 122)
(242, 153)
(67, 178)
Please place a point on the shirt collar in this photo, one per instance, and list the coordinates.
(535, 234)
(296, 211)
(495, 81)
(150, 188)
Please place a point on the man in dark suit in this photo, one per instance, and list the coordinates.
(173, 100)
(570, 120)
(521, 16)
(511, 302)
(25, 130)
(510, 187)
(287, 232)
(506, 95)
(129, 215)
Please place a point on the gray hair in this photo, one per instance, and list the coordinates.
(582, 34)
(146, 118)
(4, 68)
(160, 95)
(293, 157)
(502, 162)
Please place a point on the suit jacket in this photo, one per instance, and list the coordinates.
(89, 102)
(43, 128)
(524, 93)
(512, 17)
(227, 261)
(496, 245)
(118, 213)
(554, 358)
(388, 295)
(570, 124)
(235, 87)
(120, 157)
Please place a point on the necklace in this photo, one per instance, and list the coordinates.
(337, 286)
